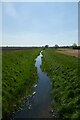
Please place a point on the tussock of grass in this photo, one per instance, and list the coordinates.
(18, 76)
(65, 77)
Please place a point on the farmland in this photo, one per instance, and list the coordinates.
(71, 52)
(63, 71)
(18, 76)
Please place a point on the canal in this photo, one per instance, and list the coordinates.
(39, 104)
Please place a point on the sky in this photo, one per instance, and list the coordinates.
(38, 24)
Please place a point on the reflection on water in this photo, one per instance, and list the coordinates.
(38, 105)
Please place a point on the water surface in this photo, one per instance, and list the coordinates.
(39, 104)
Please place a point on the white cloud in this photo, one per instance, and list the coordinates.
(67, 37)
(37, 39)
(10, 9)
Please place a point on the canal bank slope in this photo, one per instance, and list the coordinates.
(18, 76)
(65, 77)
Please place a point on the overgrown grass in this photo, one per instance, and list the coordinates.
(0, 84)
(64, 72)
(18, 76)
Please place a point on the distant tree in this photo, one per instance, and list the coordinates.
(56, 46)
(78, 47)
(74, 46)
(46, 46)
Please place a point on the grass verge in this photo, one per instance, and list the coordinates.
(18, 76)
(64, 73)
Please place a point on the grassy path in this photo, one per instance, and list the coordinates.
(65, 76)
(18, 76)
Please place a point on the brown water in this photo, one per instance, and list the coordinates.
(39, 104)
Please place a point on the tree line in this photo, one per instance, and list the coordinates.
(74, 46)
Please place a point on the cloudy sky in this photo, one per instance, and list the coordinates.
(37, 24)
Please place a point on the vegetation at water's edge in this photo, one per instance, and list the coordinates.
(64, 73)
(0, 84)
(18, 76)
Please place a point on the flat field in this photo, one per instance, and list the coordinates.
(64, 72)
(70, 52)
(18, 76)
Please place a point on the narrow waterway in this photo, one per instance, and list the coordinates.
(39, 104)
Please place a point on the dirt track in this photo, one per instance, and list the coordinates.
(70, 52)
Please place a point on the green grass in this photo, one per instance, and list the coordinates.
(0, 84)
(64, 72)
(18, 76)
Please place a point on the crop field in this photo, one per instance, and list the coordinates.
(18, 76)
(64, 72)
(70, 52)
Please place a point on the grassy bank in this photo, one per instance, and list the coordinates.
(65, 77)
(0, 84)
(18, 76)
